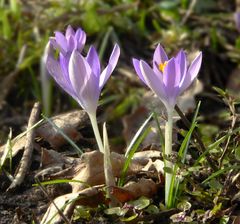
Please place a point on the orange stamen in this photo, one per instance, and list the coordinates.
(162, 66)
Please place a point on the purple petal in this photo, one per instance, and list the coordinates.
(84, 82)
(136, 64)
(93, 60)
(181, 63)
(61, 41)
(153, 81)
(110, 67)
(159, 57)
(64, 61)
(237, 20)
(55, 45)
(191, 73)
(171, 79)
(69, 32)
(169, 74)
(56, 71)
(80, 39)
(70, 43)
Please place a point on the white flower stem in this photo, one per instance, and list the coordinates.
(108, 172)
(93, 119)
(168, 152)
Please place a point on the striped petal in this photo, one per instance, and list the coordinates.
(110, 67)
(191, 73)
(136, 64)
(93, 60)
(153, 81)
(84, 82)
(159, 57)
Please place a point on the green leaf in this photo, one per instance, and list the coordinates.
(7, 31)
(136, 136)
(81, 212)
(105, 42)
(224, 219)
(116, 211)
(15, 7)
(215, 145)
(61, 181)
(219, 172)
(237, 153)
(7, 153)
(133, 146)
(216, 185)
(168, 5)
(152, 209)
(182, 155)
(220, 91)
(184, 205)
(128, 219)
(140, 203)
(168, 170)
(216, 209)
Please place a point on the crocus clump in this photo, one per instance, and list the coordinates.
(168, 78)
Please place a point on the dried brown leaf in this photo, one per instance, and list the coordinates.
(68, 123)
(92, 197)
(143, 187)
(90, 169)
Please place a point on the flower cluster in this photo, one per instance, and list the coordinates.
(81, 77)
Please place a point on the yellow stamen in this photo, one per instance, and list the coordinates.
(162, 66)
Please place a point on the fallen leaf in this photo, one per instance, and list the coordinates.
(90, 169)
(121, 194)
(143, 187)
(68, 123)
(92, 197)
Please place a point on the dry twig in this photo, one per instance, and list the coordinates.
(27, 155)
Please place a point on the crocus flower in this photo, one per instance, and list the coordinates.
(70, 41)
(168, 78)
(79, 76)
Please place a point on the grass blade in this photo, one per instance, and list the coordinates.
(131, 154)
(7, 151)
(182, 155)
(136, 136)
(219, 172)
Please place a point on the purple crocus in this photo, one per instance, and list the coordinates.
(79, 76)
(70, 41)
(168, 78)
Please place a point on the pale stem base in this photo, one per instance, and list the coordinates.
(168, 152)
(93, 120)
(109, 177)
